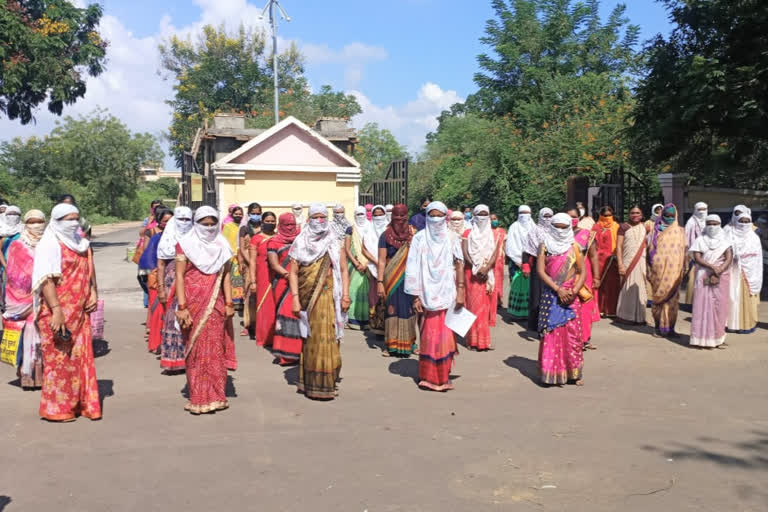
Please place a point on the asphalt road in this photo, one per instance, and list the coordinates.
(658, 426)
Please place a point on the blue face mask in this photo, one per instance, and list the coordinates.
(468, 215)
(255, 218)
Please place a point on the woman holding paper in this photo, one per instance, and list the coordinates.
(560, 266)
(434, 276)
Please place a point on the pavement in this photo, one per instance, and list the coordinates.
(657, 426)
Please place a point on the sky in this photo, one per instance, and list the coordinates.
(405, 60)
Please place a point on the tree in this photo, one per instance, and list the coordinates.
(233, 73)
(48, 48)
(703, 105)
(96, 158)
(375, 151)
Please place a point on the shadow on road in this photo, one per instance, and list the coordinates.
(104, 245)
(4, 501)
(641, 328)
(374, 341)
(230, 390)
(408, 368)
(291, 375)
(101, 348)
(527, 368)
(751, 454)
(106, 388)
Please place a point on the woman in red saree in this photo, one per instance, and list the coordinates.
(62, 273)
(149, 263)
(286, 343)
(481, 252)
(497, 297)
(205, 310)
(263, 322)
(608, 282)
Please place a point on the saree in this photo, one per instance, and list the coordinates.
(633, 296)
(172, 345)
(608, 293)
(320, 362)
(561, 357)
(377, 311)
(742, 318)
(478, 301)
(18, 307)
(518, 292)
(400, 320)
(156, 310)
(666, 264)
(590, 313)
(497, 297)
(711, 304)
(264, 316)
(207, 342)
(359, 285)
(69, 376)
(286, 341)
(746, 278)
(231, 232)
(436, 352)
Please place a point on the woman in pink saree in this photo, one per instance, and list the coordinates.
(590, 313)
(561, 269)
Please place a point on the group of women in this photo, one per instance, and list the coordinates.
(49, 292)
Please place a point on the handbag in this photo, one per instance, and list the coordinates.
(585, 295)
(11, 344)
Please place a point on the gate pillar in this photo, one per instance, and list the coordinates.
(675, 189)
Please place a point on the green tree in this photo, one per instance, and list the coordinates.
(703, 105)
(48, 48)
(375, 151)
(220, 72)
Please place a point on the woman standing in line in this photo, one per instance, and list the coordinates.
(561, 268)
(746, 273)
(497, 297)
(320, 289)
(286, 341)
(666, 266)
(530, 253)
(713, 254)
(205, 311)
(606, 237)
(359, 284)
(480, 254)
(518, 283)
(172, 344)
(19, 298)
(456, 223)
(250, 227)
(149, 264)
(62, 274)
(589, 313)
(263, 323)
(434, 276)
(231, 231)
(371, 252)
(400, 321)
(585, 221)
(694, 228)
(631, 258)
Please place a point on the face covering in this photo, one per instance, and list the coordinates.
(524, 218)
(69, 226)
(380, 222)
(494, 224)
(701, 214)
(36, 229)
(318, 226)
(255, 218)
(574, 222)
(713, 231)
(437, 225)
(481, 221)
(468, 215)
(297, 211)
(207, 233)
(238, 219)
(268, 227)
(582, 212)
(338, 217)
(13, 219)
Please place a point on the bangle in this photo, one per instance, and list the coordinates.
(55, 306)
(181, 307)
(380, 281)
(229, 304)
(295, 294)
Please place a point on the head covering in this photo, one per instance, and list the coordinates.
(398, 232)
(700, 216)
(653, 211)
(538, 232)
(228, 218)
(379, 223)
(480, 242)
(369, 211)
(559, 240)
(456, 222)
(32, 233)
(713, 242)
(314, 242)
(205, 246)
(12, 223)
(376, 227)
(287, 230)
(429, 271)
(747, 251)
(659, 226)
(339, 225)
(48, 251)
(610, 223)
(177, 227)
(300, 217)
(741, 209)
(518, 233)
(388, 209)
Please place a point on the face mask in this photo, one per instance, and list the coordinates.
(255, 218)
(494, 223)
(546, 220)
(701, 213)
(36, 229)
(12, 219)
(183, 224)
(297, 211)
(237, 220)
(574, 222)
(468, 215)
(744, 226)
(482, 221)
(69, 227)
(524, 218)
(713, 231)
(582, 212)
(668, 220)
(380, 221)
(318, 226)
(360, 219)
(338, 217)
(207, 233)
(268, 227)
(437, 225)
(457, 223)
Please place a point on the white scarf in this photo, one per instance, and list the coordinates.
(559, 240)
(747, 251)
(205, 246)
(48, 251)
(429, 270)
(174, 230)
(11, 224)
(712, 245)
(376, 228)
(314, 241)
(480, 242)
(517, 235)
(655, 216)
(299, 216)
(700, 216)
(537, 234)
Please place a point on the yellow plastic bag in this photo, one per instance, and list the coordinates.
(10, 346)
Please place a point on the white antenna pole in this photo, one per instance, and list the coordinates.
(271, 4)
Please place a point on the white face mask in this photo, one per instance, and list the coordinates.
(380, 221)
(297, 211)
(360, 219)
(318, 226)
(13, 219)
(743, 227)
(582, 212)
(481, 221)
(436, 225)
(36, 229)
(183, 225)
(207, 233)
(546, 220)
(68, 227)
(338, 217)
(701, 213)
(524, 218)
(713, 231)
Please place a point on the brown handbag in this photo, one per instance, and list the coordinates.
(585, 295)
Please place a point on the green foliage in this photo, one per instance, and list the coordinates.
(375, 151)
(220, 72)
(703, 106)
(48, 48)
(95, 158)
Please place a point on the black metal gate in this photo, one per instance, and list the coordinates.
(622, 190)
(196, 188)
(393, 189)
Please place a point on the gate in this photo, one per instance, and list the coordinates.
(196, 188)
(393, 189)
(622, 190)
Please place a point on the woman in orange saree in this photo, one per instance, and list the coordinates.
(606, 237)
(62, 273)
(205, 311)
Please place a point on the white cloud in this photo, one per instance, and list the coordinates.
(410, 122)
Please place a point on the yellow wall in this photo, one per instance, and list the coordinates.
(276, 191)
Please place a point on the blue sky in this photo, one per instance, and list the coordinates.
(406, 60)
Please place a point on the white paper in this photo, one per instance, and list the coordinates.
(459, 320)
(304, 324)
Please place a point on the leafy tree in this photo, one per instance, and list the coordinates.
(703, 105)
(375, 151)
(233, 73)
(48, 48)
